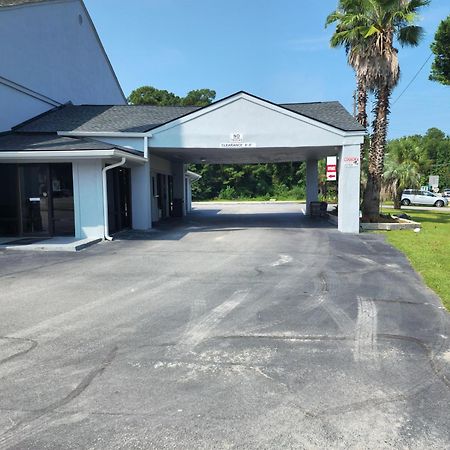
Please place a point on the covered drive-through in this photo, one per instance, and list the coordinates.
(246, 129)
(126, 166)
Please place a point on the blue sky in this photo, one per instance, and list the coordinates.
(276, 49)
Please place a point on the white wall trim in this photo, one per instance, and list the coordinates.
(117, 134)
(24, 90)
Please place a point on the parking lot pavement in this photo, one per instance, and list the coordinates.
(246, 326)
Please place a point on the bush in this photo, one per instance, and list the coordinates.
(228, 193)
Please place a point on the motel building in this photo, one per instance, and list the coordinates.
(76, 160)
(89, 171)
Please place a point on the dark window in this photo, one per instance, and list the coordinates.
(9, 200)
(62, 195)
(36, 199)
(119, 199)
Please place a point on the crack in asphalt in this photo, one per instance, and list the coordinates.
(38, 418)
(32, 342)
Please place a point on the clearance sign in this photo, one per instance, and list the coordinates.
(331, 168)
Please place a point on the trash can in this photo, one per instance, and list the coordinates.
(177, 207)
(318, 209)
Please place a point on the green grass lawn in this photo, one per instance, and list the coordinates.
(429, 250)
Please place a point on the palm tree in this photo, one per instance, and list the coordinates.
(405, 161)
(374, 25)
(348, 35)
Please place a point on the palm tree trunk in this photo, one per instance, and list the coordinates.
(361, 117)
(362, 102)
(398, 199)
(371, 200)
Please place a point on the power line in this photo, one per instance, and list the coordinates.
(413, 78)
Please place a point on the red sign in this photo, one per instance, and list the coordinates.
(331, 168)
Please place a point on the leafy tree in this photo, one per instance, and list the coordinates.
(410, 160)
(236, 181)
(437, 148)
(199, 97)
(405, 160)
(148, 95)
(440, 69)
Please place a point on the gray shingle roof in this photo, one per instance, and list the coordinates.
(141, 118)
(11, 142)
(331, 113)
(130, 118)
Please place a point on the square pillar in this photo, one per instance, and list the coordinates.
(141, 197)
(312, 182)
(348, 189)
(179, 194)
(88, 198)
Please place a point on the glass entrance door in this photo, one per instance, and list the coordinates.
(35, 199)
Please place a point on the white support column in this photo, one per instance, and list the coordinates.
(141, 197)
(348, 189)
(88, 198)
(178, 173)
(188, 195)
(312, 182)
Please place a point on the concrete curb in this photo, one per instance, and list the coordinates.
(404, 224)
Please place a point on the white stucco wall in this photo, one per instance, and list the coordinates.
(262, 124)
(18, 107)
(312, 183)
(141, 197)
(160, 165)
(88, 198)
(348, 189)
(52, 48)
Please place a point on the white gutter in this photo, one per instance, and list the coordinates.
(105, 196)
(192, 176)
(67, 155)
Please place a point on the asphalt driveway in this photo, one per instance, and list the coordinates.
(247, 326)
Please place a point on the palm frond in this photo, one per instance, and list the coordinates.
(410, 35)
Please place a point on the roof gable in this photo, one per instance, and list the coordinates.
(330, 115)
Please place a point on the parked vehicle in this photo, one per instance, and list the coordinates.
(446, 193)
(417, 197)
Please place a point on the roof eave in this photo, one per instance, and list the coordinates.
(69, 155)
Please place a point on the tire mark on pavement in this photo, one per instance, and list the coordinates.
(430, 354)
(32, 342)
(39, 419)
(203, 327)
(337, 314)
(366, 331)
(83, 311)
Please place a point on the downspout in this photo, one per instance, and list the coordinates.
(105, 196)
(145, 146)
